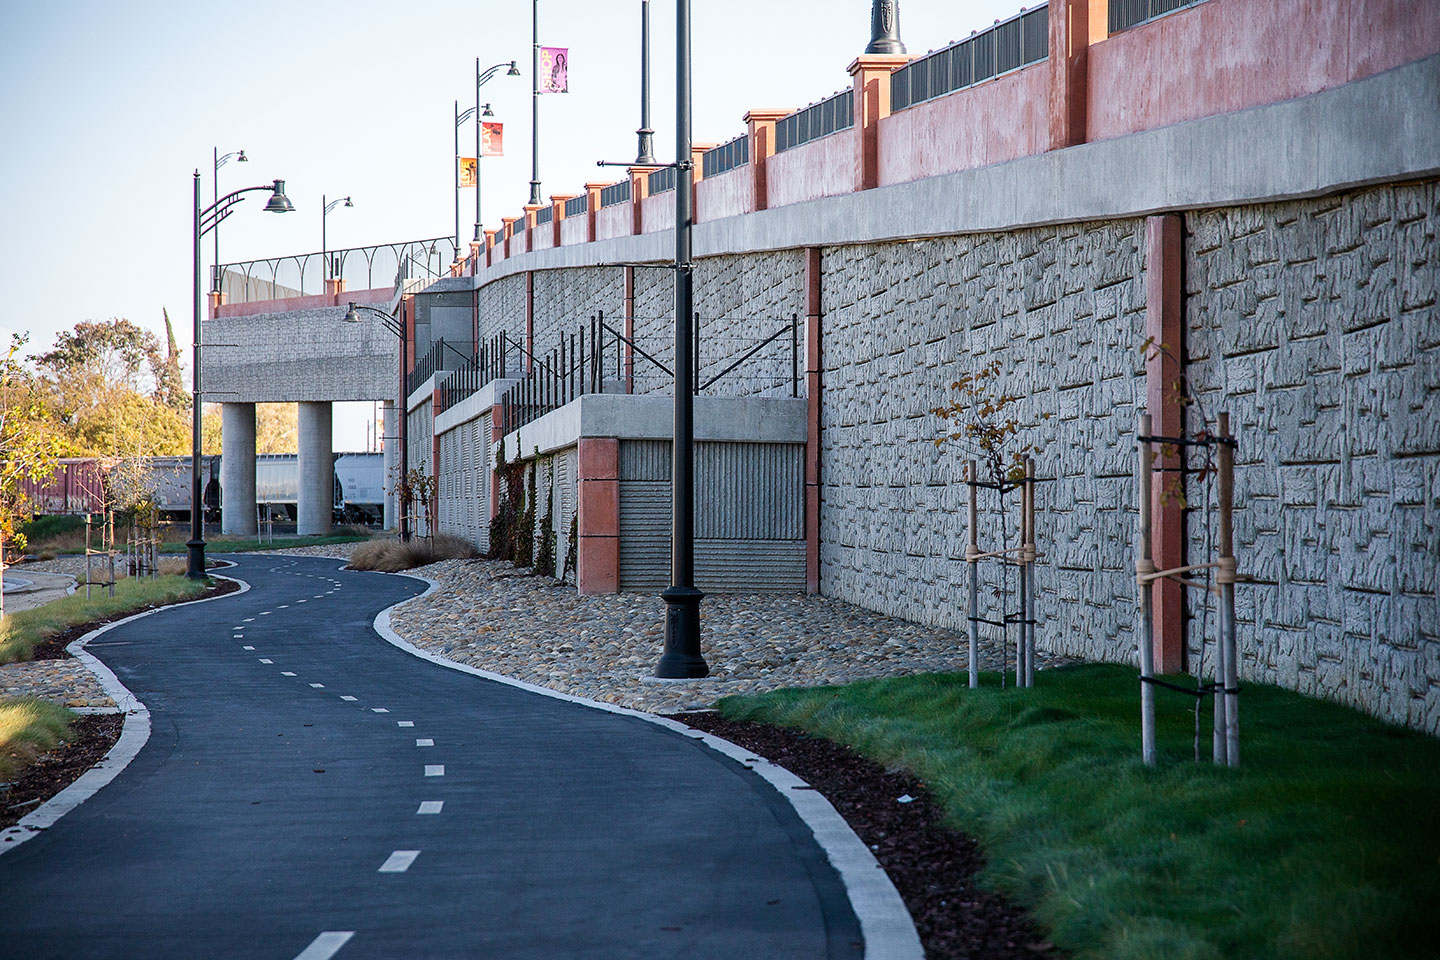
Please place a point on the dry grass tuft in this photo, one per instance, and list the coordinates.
(392, 556)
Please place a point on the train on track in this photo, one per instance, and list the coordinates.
(75, 487)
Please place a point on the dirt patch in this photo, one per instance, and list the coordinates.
(932, 866)
(54, 648)
(91, 737)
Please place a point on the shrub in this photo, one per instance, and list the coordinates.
(392, 556)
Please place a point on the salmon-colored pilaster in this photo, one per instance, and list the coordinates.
(477, 256)
(529, 318)
(761, 125)
(490, 247)
(1074, 26)
(557, 213)
(1164, 392)
(639, 190)
(497, 434)
(217, 300)
(334, 287)
(871, 75)
(434, 462)
(592, 191)
(531, 211)
(598, 524)
(506, 229)
(812, 418)
(407, 317)
(629, 352)
(697, 169)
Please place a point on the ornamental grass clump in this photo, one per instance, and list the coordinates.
(392, 556)
(28, 728)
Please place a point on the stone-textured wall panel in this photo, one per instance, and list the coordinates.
(502, 308)
(1314, 324)
(565, 300)
(1062, 309)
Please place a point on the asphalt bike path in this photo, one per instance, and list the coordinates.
(311, 791)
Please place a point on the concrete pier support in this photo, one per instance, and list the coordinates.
(237, 468)
(390, 432)
(317, 469)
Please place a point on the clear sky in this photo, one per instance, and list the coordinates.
(107, 108)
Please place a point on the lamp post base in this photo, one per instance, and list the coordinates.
(195, 559)
(682, 659)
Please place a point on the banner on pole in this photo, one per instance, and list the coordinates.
(468, 172)
(492, 139)
(554, 69)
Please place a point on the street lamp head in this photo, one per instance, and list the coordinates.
(352, 315)
(487, 112)
(242, 158)
(278, 202)
(348, 203)
(514, 71)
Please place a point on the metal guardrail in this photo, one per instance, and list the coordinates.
(821, 119)
(575, 206)
(727, 156)
(661, 181)
(362, 268)
(1010, 44)
(517, 227)
(425, 367)
(615, 193)
(544, 215)
(1125, 14)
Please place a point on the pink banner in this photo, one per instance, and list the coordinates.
(554, 69)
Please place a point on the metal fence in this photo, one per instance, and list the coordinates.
(662, 181)
(362, 268)
(1125, 14)
(1009, 45)
(615, 193)
(815, 121)
(431, 363)
(467, 379)
(575, 206)
(517, 227)
(582, 363)
(727, 156)
(544, 215)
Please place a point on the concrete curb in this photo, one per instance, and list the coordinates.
(885, 924)
(132, 738)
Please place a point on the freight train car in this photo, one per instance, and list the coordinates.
(75, 486)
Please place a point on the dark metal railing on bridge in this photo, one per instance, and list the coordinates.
(304, 274)
(576, 206)
(1125, 14)
(544, 215)
(1021, 40)
(727, 156)
(431, 363)
(615, 193)
(662, 181)
(815, 121)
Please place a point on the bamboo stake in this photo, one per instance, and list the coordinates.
(1143, 565)
(972, 551)
(110, 551)
(1023, 576)
(87, 556)
(1225, 577)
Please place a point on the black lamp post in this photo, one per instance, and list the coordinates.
(682, 658)
(207, 220)
(480, 110)
(220, 160)
(885, 27)
(645, 152)
(535, 102)
(352, 315)
(325, 212)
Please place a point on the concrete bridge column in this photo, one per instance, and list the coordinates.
(317, 469)
(237, 468)
(390, 432)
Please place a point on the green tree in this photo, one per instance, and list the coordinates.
(28, 448)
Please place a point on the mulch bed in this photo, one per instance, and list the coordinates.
(932, 866)
(54, 648)
(91, 737)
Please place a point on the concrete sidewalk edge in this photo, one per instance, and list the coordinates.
(885, 924)
(132, 738)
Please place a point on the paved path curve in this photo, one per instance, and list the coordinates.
(310, 791)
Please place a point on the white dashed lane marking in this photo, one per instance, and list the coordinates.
(344, 697)
(264, 613)
(248, 620)
(399, 861)
(326, 945)
(430, 806)
(247, 648)
(404, 723)
(286, 673)
(317, 686)
(263, 660)
(378, 710)
(424, 742)
(434, 769)
(283, 606)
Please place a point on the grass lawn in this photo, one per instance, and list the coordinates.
(28, 727)
(20, 632)
(1325, 844)
(223, 544)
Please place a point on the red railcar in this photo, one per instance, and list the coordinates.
(73, 488)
